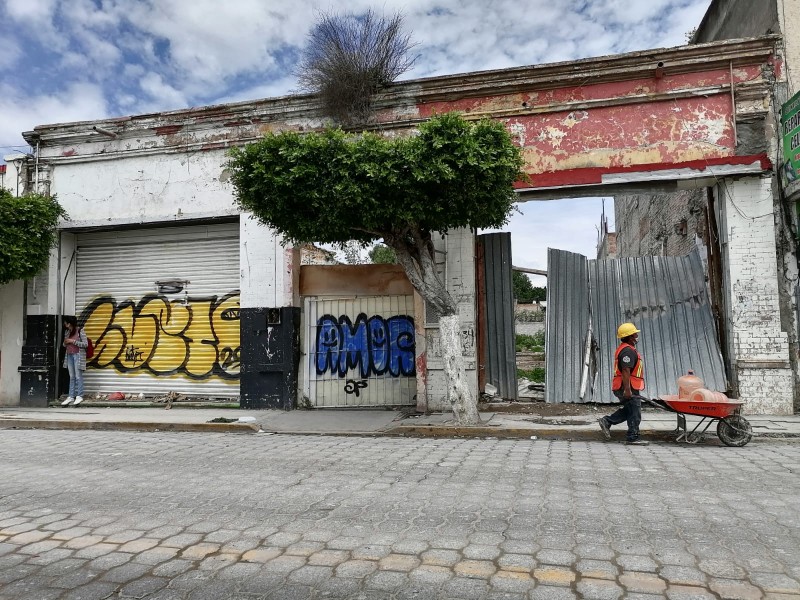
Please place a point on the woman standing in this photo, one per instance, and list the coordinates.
(75, 359)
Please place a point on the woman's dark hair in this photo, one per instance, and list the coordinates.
(71, 321)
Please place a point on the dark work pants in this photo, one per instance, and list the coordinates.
(630, 411)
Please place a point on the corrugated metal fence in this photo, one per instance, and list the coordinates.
(498, 334)
(665, 297)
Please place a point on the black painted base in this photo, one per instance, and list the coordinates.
(270, 341)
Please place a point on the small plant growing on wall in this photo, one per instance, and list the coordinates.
(331, 187)
(349, 58)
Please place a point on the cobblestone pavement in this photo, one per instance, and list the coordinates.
(90, 515)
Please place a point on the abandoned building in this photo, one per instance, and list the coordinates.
(181, 292)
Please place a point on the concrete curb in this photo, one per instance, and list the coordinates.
(129, 426)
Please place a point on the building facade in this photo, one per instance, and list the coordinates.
(182, 292)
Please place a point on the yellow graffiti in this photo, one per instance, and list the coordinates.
(198, 337)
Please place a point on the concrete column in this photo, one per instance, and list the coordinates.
(759, 349)
(269, 271)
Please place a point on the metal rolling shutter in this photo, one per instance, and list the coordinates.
(149, 342)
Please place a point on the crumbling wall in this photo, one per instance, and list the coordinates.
(660, 224)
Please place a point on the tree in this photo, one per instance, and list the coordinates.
(523, 288)
(330, 187)
(539, 294)
(382, 255)
(28, 231)
(348, 58)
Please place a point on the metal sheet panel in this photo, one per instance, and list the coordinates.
(567, 326)
(665, 297)
(498, 334)
(360, 351)
(150, 342)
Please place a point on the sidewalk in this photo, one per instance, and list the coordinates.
(655, 424)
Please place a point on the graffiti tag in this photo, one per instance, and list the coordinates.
(373, 346)
(197, 337)
(354, 387)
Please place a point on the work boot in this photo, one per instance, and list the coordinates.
(637, 443)
(604, 427)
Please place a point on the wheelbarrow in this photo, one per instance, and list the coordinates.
(712, 407)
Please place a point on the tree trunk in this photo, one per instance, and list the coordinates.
(414, 251)
(465, 409)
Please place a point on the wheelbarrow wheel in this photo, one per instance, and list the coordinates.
(734, 430)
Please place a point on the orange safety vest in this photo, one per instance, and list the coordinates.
(637, 381)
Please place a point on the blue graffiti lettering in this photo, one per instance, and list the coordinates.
(374, 346)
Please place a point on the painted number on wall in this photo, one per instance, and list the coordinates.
(198, 338)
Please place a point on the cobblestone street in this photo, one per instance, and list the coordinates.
(91, 515)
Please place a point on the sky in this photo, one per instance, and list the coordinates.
(72, 60)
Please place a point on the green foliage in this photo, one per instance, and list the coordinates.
(382, 255)
(539, 294)
(27, 233)
(332, 187)
(530, 343)
(537, 374)
(523, 288)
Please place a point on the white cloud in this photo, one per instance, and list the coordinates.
(10, 53)
(77, 102)
(161, 94)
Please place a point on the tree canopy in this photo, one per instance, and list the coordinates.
(523, 288)
(333, 187)
(382, 255)
(28, 230)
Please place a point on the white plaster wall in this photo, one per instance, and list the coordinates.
(143, 189)
(759, 348)
(269, 271)
(460, 275)
(10, 179)
(11, 332)
(789, 17)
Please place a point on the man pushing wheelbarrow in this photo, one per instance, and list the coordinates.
(627, 385)
(692, 399)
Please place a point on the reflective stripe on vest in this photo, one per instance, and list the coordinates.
(637, 381)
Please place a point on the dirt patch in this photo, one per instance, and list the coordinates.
(545, 409)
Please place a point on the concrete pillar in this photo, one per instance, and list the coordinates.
(759, 349)
(269, 318)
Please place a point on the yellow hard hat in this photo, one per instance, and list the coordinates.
(626, 329)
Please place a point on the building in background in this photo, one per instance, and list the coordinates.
(672, 223)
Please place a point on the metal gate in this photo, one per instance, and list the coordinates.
(360, 351)
(162, 308)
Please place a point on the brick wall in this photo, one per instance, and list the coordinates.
(659, 224)
(759, 348)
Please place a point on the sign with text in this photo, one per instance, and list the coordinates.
(790, 131)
